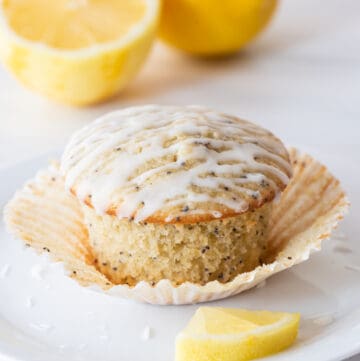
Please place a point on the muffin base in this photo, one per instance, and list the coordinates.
(129, 252)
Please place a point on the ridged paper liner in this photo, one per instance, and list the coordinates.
(50, 220)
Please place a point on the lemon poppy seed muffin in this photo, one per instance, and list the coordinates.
(178, 193)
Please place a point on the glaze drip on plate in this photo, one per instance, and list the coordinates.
(164, 163)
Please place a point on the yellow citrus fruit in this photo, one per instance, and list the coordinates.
(221, 334)
(76, 51)
(213, 27)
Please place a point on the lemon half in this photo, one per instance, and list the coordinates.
(213, 27)
(76, 51)
(221, 334)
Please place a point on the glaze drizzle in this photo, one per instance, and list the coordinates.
(142, 160)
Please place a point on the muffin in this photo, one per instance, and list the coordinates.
(177, 193)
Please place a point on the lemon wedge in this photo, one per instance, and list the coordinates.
(221, 334)
(213, 27)
(76, 51)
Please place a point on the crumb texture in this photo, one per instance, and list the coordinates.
(128, 252)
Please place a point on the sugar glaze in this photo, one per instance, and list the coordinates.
(105, 159)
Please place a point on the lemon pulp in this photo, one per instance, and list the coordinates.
(72, 24)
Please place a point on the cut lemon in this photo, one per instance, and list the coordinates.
(221, 334)
(213, 27)
(76, 51)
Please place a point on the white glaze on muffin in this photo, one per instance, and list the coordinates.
(165, 164)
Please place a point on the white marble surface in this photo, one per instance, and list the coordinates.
(301, 79)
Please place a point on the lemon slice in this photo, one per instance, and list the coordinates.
(223, 334)
(76, 51)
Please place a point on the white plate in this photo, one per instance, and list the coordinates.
(45, 316)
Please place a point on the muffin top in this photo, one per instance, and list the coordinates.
(168, 164)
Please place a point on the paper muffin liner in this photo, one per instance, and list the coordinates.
(49, 219)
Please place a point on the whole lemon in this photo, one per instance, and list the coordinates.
(213, 27)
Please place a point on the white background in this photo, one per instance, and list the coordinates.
(301, 80)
